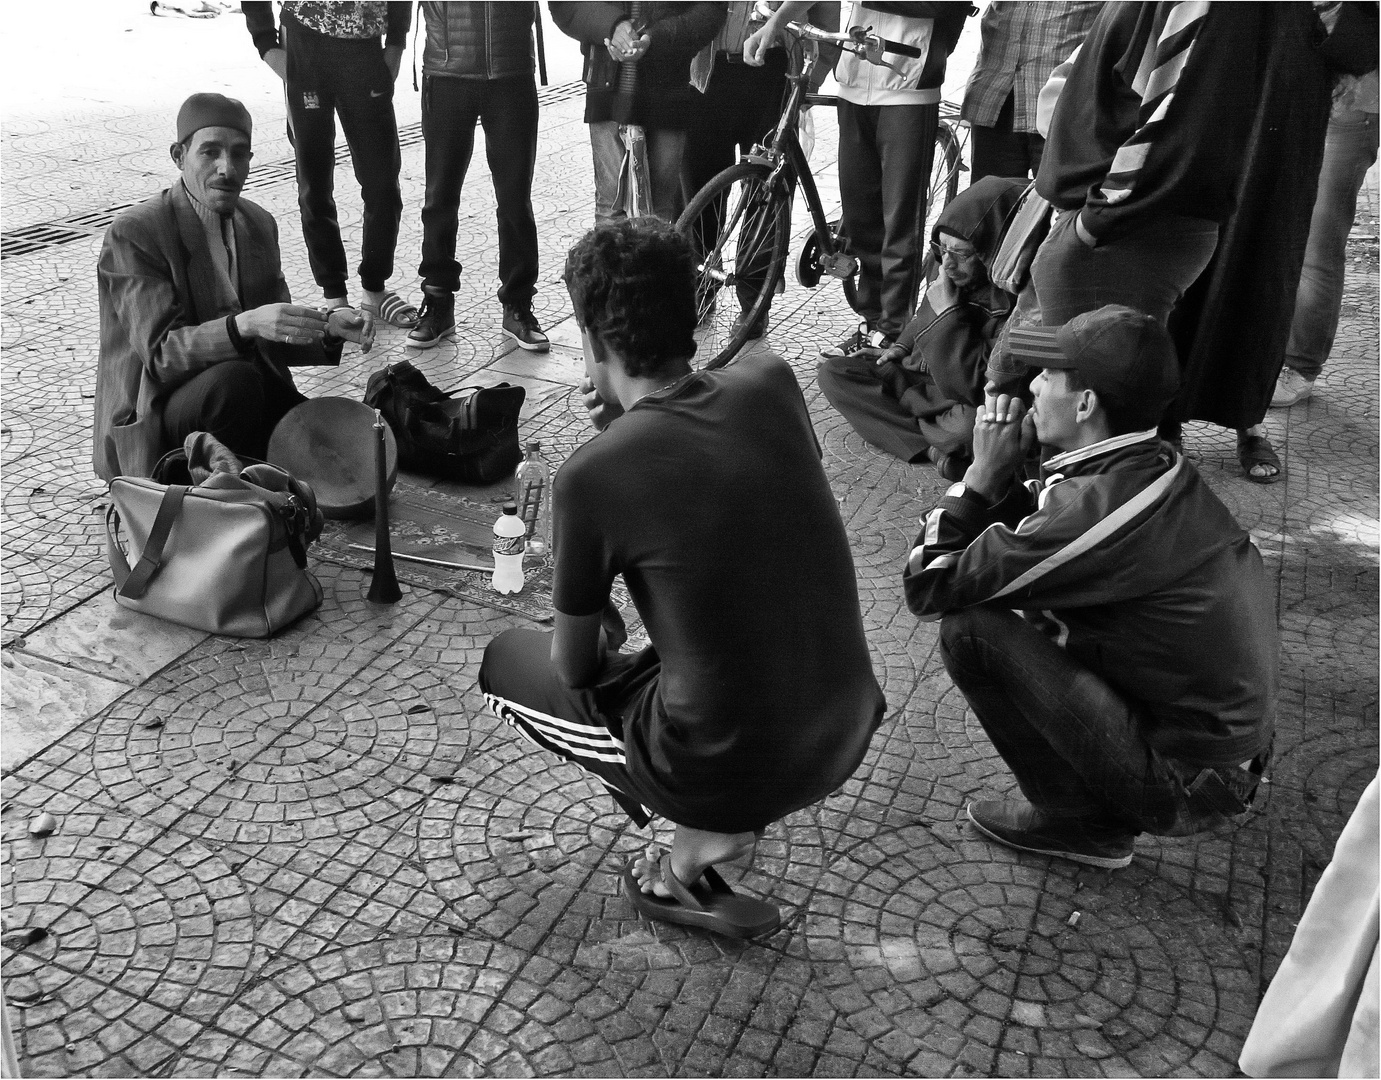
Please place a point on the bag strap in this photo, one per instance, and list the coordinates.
(137, 583)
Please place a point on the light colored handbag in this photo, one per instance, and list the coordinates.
(1026, 226)
(227, 556)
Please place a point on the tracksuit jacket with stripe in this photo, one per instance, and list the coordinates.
(1151, 583)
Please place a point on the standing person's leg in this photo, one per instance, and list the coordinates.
(998, 150)
(607, 150)
(666, 148)
(1033, 146)
(312, 131)
(364, 100)
(449, 110)
(510, 144)
(860, 194)
(906, 146)
(1349, 151)
(1074, 745)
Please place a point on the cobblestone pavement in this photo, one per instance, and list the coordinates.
(320, 855)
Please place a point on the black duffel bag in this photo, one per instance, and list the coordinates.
(470, 435)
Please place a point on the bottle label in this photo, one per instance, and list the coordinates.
(509, 545)
(530, 502)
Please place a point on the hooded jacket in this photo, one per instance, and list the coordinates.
(1155, 588)
(952, 345)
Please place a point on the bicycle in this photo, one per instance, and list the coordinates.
(740, 222)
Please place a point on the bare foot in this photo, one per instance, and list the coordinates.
(692, 850)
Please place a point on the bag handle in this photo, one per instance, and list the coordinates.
(137, 582)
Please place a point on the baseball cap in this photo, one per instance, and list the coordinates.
(211, 110)
(1122, 354)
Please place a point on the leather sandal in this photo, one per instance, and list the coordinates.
(709, 906)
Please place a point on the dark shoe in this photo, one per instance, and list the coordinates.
(860, 341)
(436, 320)
(1024, 827)
(712, 906)
(755, 331)
(952, 466)
(1260, 463)
(521, 326)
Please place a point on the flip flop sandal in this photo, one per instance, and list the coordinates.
(711, 906)
(1256, 450)
(394, 310)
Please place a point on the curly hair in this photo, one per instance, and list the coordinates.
(632, 282)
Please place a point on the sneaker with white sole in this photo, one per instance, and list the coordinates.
(521, 325)
(435, 321)
(1291, 389)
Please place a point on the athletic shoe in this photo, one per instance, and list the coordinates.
(1291, 389)
(1022, 826)
(436, 320)
(521, 326)
(855, 342)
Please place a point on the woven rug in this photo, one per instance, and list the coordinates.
(454, 527)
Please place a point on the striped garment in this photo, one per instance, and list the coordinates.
(1163, 61)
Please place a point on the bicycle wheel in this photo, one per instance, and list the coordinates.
(740, 228)
(944, 185)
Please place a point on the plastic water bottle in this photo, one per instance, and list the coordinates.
(533, 483)
(508, 550)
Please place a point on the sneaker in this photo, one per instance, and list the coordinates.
(436, 320)
(854, 343)
(756, 331)
(1024, 827)
(1291, 389)
(521, 326)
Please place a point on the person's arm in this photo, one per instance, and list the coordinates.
(589, 23)
(264, 32)
(688, 31)
(396, 35)
(757, 43)
(957, 343)
(578, 648)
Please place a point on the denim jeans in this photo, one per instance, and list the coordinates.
(327, 77)
(1074, 744)
(665, 147)
(1149, 268)
(1349, 151)
(507, 108)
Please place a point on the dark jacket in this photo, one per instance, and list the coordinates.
(470, 40)
(663, 96)
(1162, 594)
(162, 323)
(259, 20)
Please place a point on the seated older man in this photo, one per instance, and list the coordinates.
(198, 330)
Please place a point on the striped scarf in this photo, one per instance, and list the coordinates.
(1167, 52)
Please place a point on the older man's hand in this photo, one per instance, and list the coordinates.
(351, 325)
(291, 324)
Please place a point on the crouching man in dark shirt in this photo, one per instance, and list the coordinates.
(705, 490)
(1136, 691)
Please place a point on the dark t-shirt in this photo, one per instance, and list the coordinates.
(711, 501)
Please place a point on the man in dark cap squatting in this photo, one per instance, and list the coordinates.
(1111, 625)
(198, 329)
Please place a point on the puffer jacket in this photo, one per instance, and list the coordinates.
(677, 31)
(1161, 593)
(933, 28)
(478, 39)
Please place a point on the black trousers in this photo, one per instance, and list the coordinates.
(885, 155)
(508, 110)
(238, 401)
(1000, 151)
(329, 76)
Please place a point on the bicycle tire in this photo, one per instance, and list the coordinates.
(944, 185)
(740, 230)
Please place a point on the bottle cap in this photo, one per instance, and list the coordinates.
(534, 444)
(510, 508)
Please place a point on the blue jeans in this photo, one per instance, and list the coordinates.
(1074, 744)
(1348, 153)
(664, 151)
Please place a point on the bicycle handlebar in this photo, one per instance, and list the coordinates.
(859, 40)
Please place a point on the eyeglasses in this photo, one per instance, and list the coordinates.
(939, 251)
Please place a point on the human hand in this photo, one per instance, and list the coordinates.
(602, 413)
(1081, 231)
(757, 43)
(393, 60)
(943, 293)
(277, 59)
(351, 325)
(625, 43)
(893, 354)
(291, 324)
(1003, 435)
